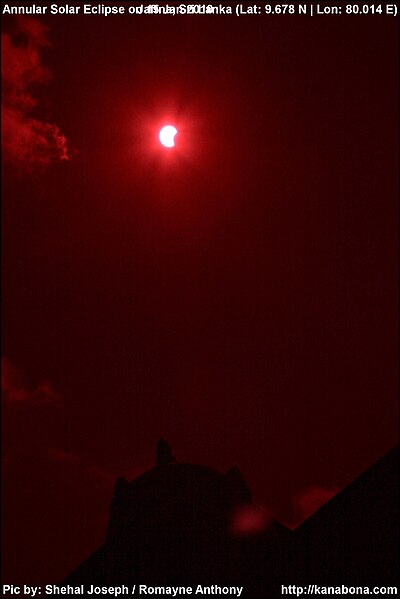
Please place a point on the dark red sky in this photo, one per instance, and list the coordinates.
(237, 295)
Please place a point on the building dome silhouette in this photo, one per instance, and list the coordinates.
(177, 515)
(170, 526)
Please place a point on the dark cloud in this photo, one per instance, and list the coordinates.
(29, 142)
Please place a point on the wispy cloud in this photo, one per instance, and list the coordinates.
(15, 390)
(66, 458)
(309, 500)
(29, 142)
(62, 456)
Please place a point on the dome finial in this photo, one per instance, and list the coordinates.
(164, 453)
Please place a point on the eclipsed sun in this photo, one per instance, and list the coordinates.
(167, 136)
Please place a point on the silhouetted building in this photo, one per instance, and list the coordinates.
(173, 526)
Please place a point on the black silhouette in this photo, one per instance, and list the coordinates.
(164, 453)
(171, 526)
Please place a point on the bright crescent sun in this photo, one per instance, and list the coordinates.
(167, 135)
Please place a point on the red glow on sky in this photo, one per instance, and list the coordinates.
(249, 520)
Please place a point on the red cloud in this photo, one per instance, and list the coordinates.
(62, 456)
(310, 500)
(15, 390)
(28, 142)
(249, 520)
(70, 458)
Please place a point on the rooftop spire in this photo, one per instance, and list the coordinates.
(164, 453)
